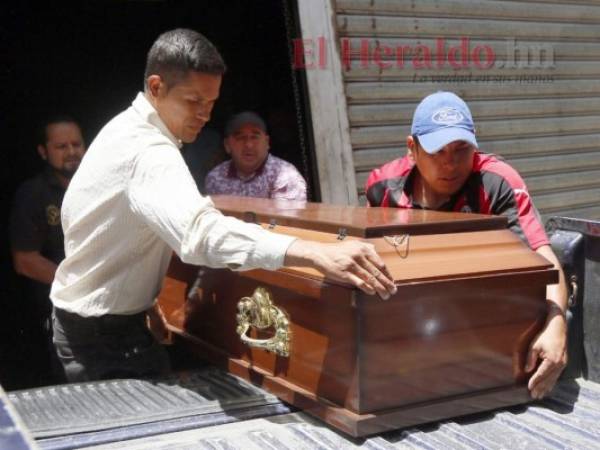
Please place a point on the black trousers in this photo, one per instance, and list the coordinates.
(106, 347)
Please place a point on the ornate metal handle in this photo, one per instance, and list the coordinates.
(260, 312)
(574, 291)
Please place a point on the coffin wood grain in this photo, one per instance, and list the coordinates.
(357, 221)
(452, 341)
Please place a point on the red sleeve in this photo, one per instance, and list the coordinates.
(377, 187)
(514, 201)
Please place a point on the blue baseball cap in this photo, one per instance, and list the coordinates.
(440, 119)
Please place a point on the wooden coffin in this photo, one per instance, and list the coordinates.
(452, 341)
(353, 220)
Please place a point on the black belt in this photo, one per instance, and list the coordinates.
(105, 320)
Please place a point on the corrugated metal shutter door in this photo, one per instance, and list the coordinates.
(538, 105)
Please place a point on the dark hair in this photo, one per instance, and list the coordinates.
(179, 51)
(42, 129)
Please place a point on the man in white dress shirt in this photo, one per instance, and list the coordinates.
(133, 201)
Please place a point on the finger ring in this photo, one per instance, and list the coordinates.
(376, 273)
(371, 278)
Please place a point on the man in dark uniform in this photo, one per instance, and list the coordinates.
(36, 236)
(445, 171)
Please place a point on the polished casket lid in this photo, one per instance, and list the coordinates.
(354, 220)
(421, 258)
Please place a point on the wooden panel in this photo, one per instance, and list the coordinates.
(323, 347)
(467, 353)
(470, 302)
(356, 221)
(360, 425)
(243, 207)
(475, 325)
(424, 258)
(468, 330)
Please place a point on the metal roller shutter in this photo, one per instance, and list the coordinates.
(542, 114)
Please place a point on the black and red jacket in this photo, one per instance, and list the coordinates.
(493, 187)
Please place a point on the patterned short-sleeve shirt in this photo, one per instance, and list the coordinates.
(276, 178)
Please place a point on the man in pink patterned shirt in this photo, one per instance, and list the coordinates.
(252, 171)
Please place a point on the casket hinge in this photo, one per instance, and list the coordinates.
(250, 217)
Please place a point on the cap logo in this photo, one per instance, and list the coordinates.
(447, 116)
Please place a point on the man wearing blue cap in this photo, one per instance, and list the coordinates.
(444, 171)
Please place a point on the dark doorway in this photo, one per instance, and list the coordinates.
(87, 59)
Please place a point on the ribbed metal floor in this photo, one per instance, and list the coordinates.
(210, 394)
(13, 434)
(569, 419)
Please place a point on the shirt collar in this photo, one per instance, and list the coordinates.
(143, 107)
(233, 173)
(407, 199)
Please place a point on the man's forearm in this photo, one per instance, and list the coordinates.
(298, 254)
(35, 266)
(353, 262)
(555, 293)
(548, 352)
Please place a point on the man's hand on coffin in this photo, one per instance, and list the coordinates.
(549, 347)
(351, 262)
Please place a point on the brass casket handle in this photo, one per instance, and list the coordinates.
(259, 311)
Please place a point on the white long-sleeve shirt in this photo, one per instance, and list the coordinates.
(133, 201)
